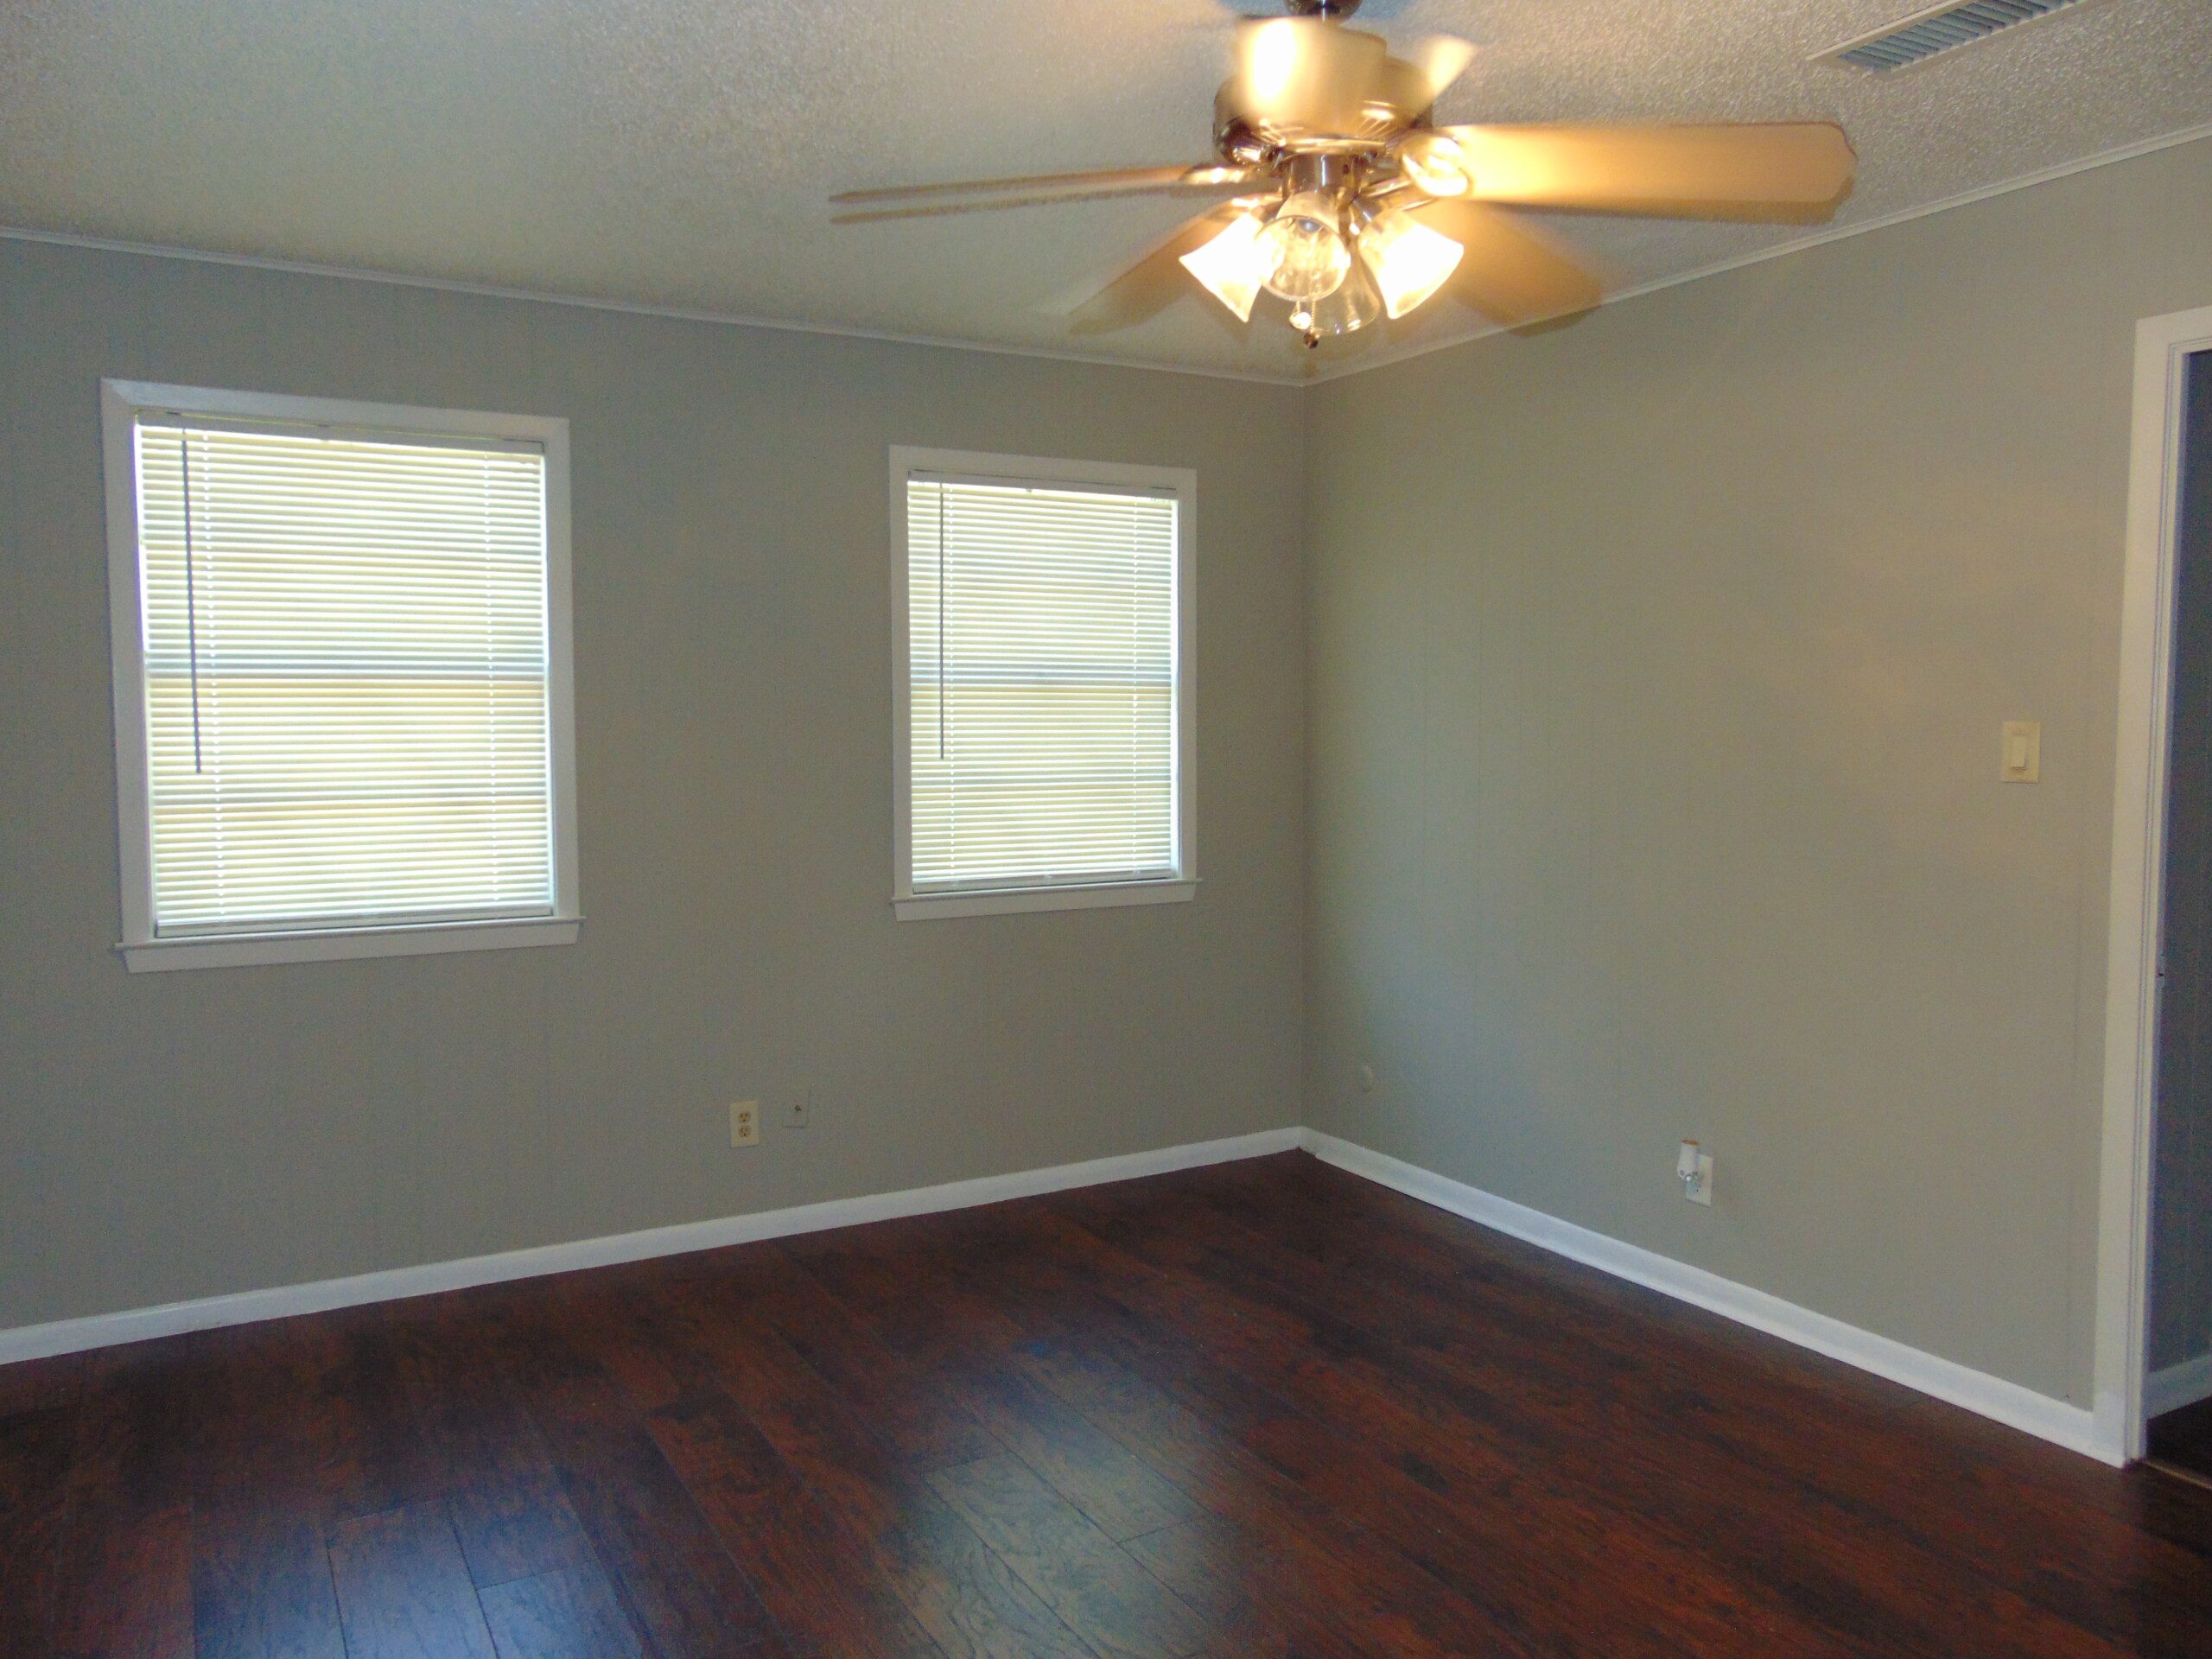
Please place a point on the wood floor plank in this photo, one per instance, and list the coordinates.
(922, 1421)
(820, 1585)
(378, 1457)
(47, 1384)
(261, 1583)
(570, 1613)
(677, 1581)
(504, 1497)
(1250, 1596)
(1339, 1575)
(35, 1453)
(403, 1589)
(261, 1448)
(1079, 1572)
(124, 1578)
(1112, 1488)
(125, 1586)
(971, 1604)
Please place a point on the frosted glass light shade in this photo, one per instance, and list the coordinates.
(1410, 261)
(1233, 267)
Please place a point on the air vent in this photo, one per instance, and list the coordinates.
(1939, 30)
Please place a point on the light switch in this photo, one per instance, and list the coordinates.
(2023, 752)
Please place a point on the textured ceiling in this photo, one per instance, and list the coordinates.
(680, 152)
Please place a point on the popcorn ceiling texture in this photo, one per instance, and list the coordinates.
(680, 152)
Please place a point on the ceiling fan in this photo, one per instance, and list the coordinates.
(1345, 201)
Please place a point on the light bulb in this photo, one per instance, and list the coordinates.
(1307, 255)
(1410, 261)
(1354, 305)
(1233, 266)
(1435, 163)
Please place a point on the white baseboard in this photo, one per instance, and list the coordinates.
(247, 1307)
(2072, 1426)
(2172, 1386)
(2065, 1425)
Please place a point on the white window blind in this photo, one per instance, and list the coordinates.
(347, 687)
(1042, 696)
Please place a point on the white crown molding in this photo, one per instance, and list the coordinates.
(627, 308)
(250, 1307)
(2172, 1386)
(1379, 359)
(2072, 1426)
(2129, 152)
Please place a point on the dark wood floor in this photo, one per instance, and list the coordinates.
(1264, 1409)
(2183, 1439)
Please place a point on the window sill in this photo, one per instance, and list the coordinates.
(416, 939)
(930, 906)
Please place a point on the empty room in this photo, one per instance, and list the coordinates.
(1105, 828)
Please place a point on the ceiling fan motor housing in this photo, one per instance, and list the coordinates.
(1341, 92)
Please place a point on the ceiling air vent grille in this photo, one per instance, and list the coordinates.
(1941, 29)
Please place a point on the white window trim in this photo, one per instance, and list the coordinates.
(972, 466)
(121, 404)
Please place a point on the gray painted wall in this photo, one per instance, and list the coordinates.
(1656, 669)
(186, 1133)
(2181, 1199)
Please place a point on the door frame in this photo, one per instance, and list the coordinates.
(2163, 347)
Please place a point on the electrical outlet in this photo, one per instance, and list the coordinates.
(745, 1124)
(798, 1110)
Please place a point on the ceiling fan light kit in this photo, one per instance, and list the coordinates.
(1323, 142)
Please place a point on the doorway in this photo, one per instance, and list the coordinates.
(2177, 1314)
(2169, 501)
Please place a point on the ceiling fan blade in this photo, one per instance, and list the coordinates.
(1510, 272)
(1104, 177)
(1305, 73)
(1148, 285)
(1043, 198)
(1441, 60)
(1794, 172)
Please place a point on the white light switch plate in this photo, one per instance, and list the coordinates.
(1702, 1193)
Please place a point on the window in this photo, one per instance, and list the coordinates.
(342, 714)
(1043, 725)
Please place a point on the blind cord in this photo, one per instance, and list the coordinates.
(943, 597)
(191, 599)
